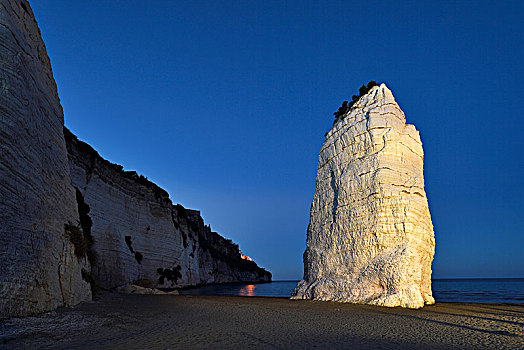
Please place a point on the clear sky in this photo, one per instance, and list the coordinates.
(225, 105)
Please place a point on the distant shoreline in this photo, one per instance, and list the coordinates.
(509, 290)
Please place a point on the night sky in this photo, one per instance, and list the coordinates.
(225, 105)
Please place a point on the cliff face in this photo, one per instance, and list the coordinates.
(219, 259)
(140, 235)
(47, 226)
(38, 268)
(370, 237)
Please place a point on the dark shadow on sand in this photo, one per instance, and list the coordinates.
(452, 324)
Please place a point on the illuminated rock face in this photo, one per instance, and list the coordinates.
(38, 268)
(370, 237)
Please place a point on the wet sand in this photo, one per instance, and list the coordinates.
(215, 322)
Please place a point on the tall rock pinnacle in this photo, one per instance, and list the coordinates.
(370, 237)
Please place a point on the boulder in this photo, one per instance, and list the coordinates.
(134, 289)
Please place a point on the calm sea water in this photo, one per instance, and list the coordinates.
(492, 290)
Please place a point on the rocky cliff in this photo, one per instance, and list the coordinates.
(68, 220)
(38, 269)
(370, 237)
(141, 236)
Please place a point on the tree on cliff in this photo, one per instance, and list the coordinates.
(364, 89)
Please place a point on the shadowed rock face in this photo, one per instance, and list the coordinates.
(370, 237)
(38, 269)
(140, 235)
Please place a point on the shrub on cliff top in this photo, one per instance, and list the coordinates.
(371, 84)
(342, 109)
(364, 89)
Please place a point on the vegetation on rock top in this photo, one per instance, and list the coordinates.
(346, 106)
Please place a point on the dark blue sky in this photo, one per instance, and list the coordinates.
(225, 104)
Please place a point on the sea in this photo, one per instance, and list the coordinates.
(485, 290)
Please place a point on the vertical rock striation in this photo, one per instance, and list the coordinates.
(370, 237)
(140, 236)
(38, 268)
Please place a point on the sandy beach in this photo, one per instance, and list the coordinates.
(183, 322)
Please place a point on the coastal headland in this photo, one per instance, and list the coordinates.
(143, 321)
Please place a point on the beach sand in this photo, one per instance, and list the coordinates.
(187, 322)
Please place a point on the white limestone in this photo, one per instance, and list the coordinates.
(370, 237)
(38, 269)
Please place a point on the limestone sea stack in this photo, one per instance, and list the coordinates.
(370, 236)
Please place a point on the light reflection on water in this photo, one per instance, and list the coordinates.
(273, 289)
(247, 291)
